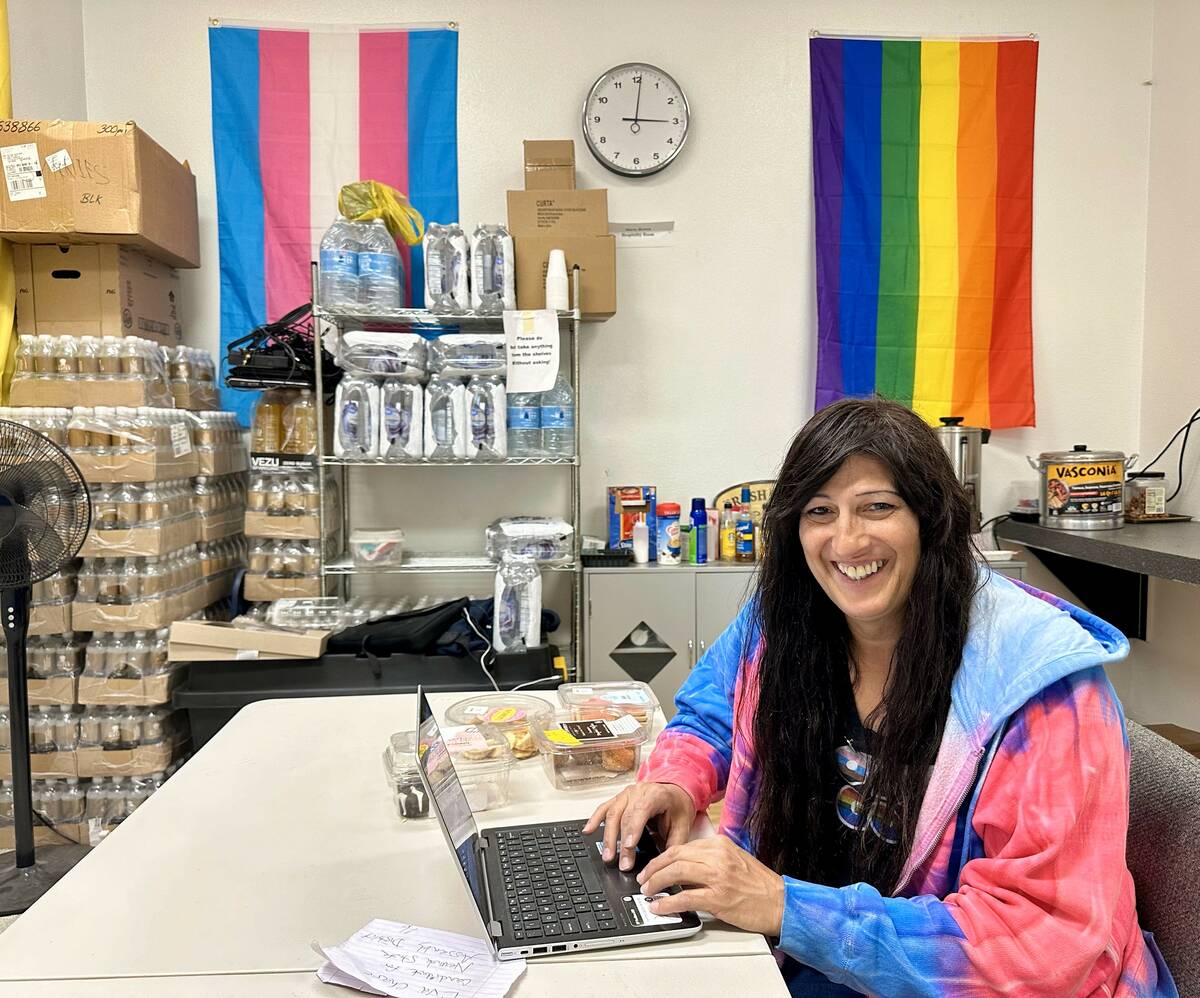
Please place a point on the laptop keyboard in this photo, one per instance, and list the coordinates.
(550, 884)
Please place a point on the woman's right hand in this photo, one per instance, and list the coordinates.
(626, 816)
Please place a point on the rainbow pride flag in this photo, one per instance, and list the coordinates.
(923, 182)
(296, 113)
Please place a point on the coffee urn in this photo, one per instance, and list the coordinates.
(964, 445)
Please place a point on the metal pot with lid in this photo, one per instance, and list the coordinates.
(1081, 489)
(964, 446)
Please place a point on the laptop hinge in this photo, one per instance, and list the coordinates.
(495, 930)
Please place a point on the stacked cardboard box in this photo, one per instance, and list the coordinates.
(551, 213)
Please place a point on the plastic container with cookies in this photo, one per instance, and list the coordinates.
(582, 755)
(586, 701)
(482, 761)
(514, 715)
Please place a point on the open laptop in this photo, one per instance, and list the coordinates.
(541, 888)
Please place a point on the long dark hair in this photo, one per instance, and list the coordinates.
(806, 657)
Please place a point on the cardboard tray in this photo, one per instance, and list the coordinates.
(157, 467)
(44, 836)
(52, 765)
(150, 691)
(221, 461)
(210, 641)
(218, 526)
(149, 541)
(259, 588)
(195, 396)
(50, 618)
(59, 691)
(298, 528)
(141, 761)
(64, 394)
(149, 614)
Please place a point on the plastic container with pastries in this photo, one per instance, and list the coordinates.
(514, 715)
(482, 761)
(586, 701)
(582, 755)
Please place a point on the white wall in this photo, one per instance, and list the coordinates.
(1165, 677)
(707, 369)
(46, 45)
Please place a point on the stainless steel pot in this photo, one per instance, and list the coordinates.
(964, 446)
(1081, 489)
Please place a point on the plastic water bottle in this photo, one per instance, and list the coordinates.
(357, 435)
(524, 425)
(338, 265)
(558, 420)
(379, 270)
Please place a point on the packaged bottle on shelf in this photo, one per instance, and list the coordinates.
(558, 419)
(493, 265)
(337, 277)
(357, 412)
(524, 417)
(487, 408)
(395, 355)
(447, 263)
(445, 420)
(380, 277)
(402, 420)
(517, 621)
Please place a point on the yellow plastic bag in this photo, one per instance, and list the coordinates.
(366, 200)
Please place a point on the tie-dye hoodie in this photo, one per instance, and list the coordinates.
(1016, 882)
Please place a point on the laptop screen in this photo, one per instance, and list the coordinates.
(450, 801)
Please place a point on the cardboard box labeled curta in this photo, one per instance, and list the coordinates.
(596, 257)
(210, 641)
(96, 291)
(97, 182)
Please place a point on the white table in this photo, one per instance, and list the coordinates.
(282, 832)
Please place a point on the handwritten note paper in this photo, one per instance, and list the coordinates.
(395, 958)
(532, 346)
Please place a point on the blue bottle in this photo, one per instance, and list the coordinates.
(700, 529)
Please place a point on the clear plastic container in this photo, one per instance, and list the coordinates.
(582, 755)
(1146, 495)
(482, 761)
(400, 765)
(377, 548)
(586, 701)
(514, 715)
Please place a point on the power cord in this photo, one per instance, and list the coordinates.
(488, 650)
(1186, 430)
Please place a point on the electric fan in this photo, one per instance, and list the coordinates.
(44, 518)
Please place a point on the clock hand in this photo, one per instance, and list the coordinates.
(663, 120)
(638, 104)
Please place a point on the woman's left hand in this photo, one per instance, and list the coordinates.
(720, 878)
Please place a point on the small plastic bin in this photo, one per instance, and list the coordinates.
(583, 755)
(400, 765)
(377, 548)
(514, 715)
(585, 701)
(482, 761)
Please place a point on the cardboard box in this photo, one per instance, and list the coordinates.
(149, 691)
(50, 618)
(96, 291)
(147, 614)
(260, 588)
(218, 526)
(51, 765)
(209, 641)
(626, 505)
(298, 528)
(64, 394)
(43, 836)
(157, 467)
(596, 257)
(549, 164)
(150, 540)
(561, 213)
(141, 761)
(196, 396)
(97, 182)
(221, 461)
(56, 692)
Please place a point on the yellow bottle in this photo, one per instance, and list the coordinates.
(728, 533)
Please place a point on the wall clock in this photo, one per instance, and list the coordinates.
(635, 119)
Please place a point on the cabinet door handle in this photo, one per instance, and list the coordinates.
(691, 653)
(703, 648)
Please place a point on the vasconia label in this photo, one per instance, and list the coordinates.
(1084, 489)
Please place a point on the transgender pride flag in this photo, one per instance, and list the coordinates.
(297, 112)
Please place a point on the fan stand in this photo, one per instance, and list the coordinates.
(33, 875)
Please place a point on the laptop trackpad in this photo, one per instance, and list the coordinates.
(642, 904)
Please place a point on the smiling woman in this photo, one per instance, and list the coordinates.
(923, 765)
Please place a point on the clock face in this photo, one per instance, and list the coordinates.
(635, 119)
